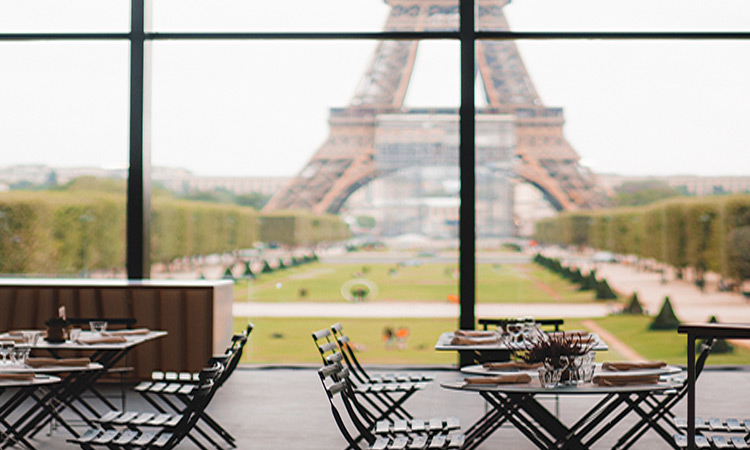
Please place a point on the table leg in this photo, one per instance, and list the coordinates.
(691, 391)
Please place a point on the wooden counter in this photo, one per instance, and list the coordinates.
(196, 314)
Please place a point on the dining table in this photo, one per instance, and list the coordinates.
(72, 375)
(78, 374)
(17, 390)
(518, 404)
(489, 347)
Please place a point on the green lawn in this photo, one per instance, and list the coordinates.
(662, 345)
(429, 282)
(289, 341)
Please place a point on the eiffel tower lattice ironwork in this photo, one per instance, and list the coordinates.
(346, 160)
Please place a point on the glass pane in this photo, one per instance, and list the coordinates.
(48, 16)
(619, 15)
(367, 166)
(595, 125)
(303, 16)
(63, 158)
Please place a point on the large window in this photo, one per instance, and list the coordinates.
(442, 145)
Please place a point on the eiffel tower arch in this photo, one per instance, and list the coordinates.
(347, 160)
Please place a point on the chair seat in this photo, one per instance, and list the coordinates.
(432, 425)
(88, 436)
(106, 437)
(162, 440)
(126, 437)
(700, 441)
(144, 439)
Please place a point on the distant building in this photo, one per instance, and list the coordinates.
(690, 184)
(184, 182)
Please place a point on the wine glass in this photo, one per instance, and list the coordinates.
(19, 354)
(98, 326)
(5, 348)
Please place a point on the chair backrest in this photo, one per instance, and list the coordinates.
(202, 395)
(335, 380)
(233, 354)
(325, 343)
(555, 323)
(350, 357)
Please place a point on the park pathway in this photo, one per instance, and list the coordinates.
(613, 342)
(415, 309)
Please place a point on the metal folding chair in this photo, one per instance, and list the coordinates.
(384, 399)
(128, 430)
(661, 418)
(357, 428)
(172, 392)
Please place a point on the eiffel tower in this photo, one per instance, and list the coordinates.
(347, 159)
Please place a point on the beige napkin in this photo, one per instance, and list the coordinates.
(54, 362)
(17, 376)
(14, 339)
(515, 378)
(102, 340)
(579, 333)
(521, 365)
(625, 380)
(459, 340)
(475, 333)
(624, 366)
(135, 332)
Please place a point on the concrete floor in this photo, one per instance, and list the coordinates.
(271, 408)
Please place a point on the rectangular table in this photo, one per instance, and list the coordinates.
(23, 391)
(495, 351)
(74, 383)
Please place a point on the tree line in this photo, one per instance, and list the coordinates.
(706, 233)
(74, 231)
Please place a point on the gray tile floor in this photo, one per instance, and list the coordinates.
(272, 408)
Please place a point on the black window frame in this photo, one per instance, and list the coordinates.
(138, 212)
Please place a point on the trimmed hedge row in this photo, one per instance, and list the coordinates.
(681, 232)
(589, 282)
(295, 228)
(73, 232)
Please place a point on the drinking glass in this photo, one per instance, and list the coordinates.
(5, 348)
(515, 329)
(98, 326)
(19, 354)
(74, 334)
(30, 337)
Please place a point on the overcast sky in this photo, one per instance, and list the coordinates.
(261, 108)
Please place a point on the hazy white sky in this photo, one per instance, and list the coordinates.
(261, 108)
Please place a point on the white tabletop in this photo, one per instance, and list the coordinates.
(479, 369)
(130, 341)
(17, 368)
(534, 387)
(444, 343)
(36, 381)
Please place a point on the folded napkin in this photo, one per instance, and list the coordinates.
(625, 380)
(579, 333)
(55, 362)
(13, 338)
(135, 332)
(514, 378)
(17, 376)
(521, 365)
(474, 333)
(101, 340)
(459, 340)
(624, 366)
